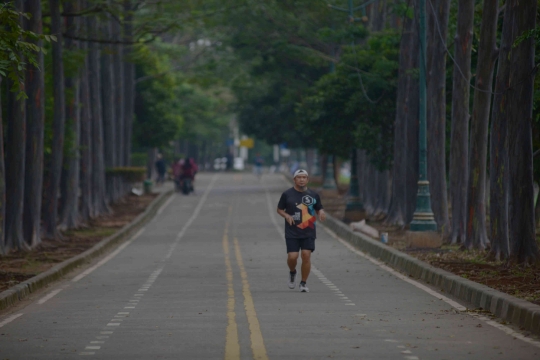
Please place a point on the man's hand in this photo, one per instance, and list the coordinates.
(289, 219)
(322, 215)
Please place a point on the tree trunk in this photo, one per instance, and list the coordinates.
(360, 165)
(498, 172)
(369, 181)
(51, 183)
(87, 148)
(129, 83)
(377, 15)
(405, 164)
(2, 183)
(523, 246)
(476, 236)
(460, 119)
(118, 67)
(35, 117)
(98, 163)
(437, 14)
(15, 148)
(108, 93)
(70, 173)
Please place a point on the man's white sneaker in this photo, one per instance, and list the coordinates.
(303, 288)
(292, 281)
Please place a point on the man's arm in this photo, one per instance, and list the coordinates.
(321, 214)
(286, 216)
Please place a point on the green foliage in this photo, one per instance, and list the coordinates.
(158, 119)
(17, 49)
(355, 105)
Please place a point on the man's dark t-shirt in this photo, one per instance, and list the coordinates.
(301, 206)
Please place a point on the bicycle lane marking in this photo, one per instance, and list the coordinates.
(116, 321)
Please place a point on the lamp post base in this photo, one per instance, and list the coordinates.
(351, 216)
(354, 210)
(423, 239)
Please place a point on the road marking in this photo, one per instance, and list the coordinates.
(92, 348)
(232, 344)
(257, 342)
(87, 353)
(171, 198)
(434, 293)
(9, 319)
(108, 257)
(49, 296)
(192, 218)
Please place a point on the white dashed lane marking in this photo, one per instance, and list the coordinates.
(117, 319)
(331, 286)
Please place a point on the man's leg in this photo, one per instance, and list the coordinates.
(306, 264)
(292, 260)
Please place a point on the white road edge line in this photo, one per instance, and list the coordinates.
(10, 319)
(434, 293)
(193, 216)
(108, 257)
(171, 198)
(49, 296)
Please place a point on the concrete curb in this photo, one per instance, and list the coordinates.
(519, 312)
(18, 292)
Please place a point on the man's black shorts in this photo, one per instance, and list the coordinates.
(294, 245)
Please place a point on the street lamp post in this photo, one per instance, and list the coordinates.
(423, 219)
(329, 182)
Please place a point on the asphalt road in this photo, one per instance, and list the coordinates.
(207, 279)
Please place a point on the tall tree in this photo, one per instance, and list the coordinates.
(460, 119)
(524, 248)
(87, 148)
(35, 117)
(15, 148)
(498, 169)
(51, 184)
(108, 81)
(69, 217)
(476, 236)
(406, 115)
(437, 14)
(118, 69)
(2, 182)
(98, 162)
(129, 81)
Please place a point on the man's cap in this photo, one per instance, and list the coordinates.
(300, 172)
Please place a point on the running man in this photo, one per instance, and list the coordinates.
(298, 206)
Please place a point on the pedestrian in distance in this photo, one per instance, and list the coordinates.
(161, 169)
(177, 171)
(258, 164)
(298, 206)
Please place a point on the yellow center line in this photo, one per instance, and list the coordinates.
(257, 342)
(232, 345)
